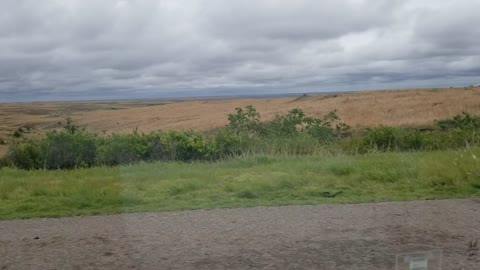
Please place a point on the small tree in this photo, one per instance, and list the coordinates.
(70, 127)
(289, 124)
(244, 120)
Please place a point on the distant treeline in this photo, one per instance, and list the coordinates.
(291, 134)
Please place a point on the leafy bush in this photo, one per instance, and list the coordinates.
(64, 150)
(294, 133)
(169, 146)
(25, 155)
(17, 134)
(156, 148)
(329, 128)
(244, 120)
(228, 143)
(59, 150)
(121, 149)
(401, 139)
(462, 121)
(397, 139)
(288, 125)
(383, 138)
(185, 146)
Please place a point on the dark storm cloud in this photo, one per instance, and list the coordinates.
(87, 49)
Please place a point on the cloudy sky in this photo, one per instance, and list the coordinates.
(90, 49)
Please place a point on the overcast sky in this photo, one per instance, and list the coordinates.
(91, 49)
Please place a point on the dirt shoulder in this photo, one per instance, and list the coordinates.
(362, 236)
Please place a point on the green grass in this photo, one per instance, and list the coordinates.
(241, 182)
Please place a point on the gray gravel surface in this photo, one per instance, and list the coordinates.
(359, 236)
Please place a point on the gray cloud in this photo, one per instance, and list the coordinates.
(87, 49)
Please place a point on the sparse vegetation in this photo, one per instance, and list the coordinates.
(17, 133)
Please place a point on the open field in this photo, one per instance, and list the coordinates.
(254, 181)
(327, 236)
(361, 109)
(347, 237)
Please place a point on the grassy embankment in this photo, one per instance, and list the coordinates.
(241, 182)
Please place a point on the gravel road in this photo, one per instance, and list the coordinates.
(359, 236)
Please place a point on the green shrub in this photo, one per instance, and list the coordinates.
(183, 146)
(228, 143)
(462, 121)
(450, 139)
(382, 139)
(287, 125)
(58, 150)
(295, 122)
(401, 139)
(25, 155)
(156, 148)
(244, 120)
(17, 134)
(326, 129)
(121, 149)
(321, 133)
(394, 139)
(389, 139)
(65, 150)
(411, 140)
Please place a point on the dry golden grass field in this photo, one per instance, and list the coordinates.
(360, 109)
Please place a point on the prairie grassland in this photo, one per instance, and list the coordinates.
(414, 107)
(242, 182)
(360, 109)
